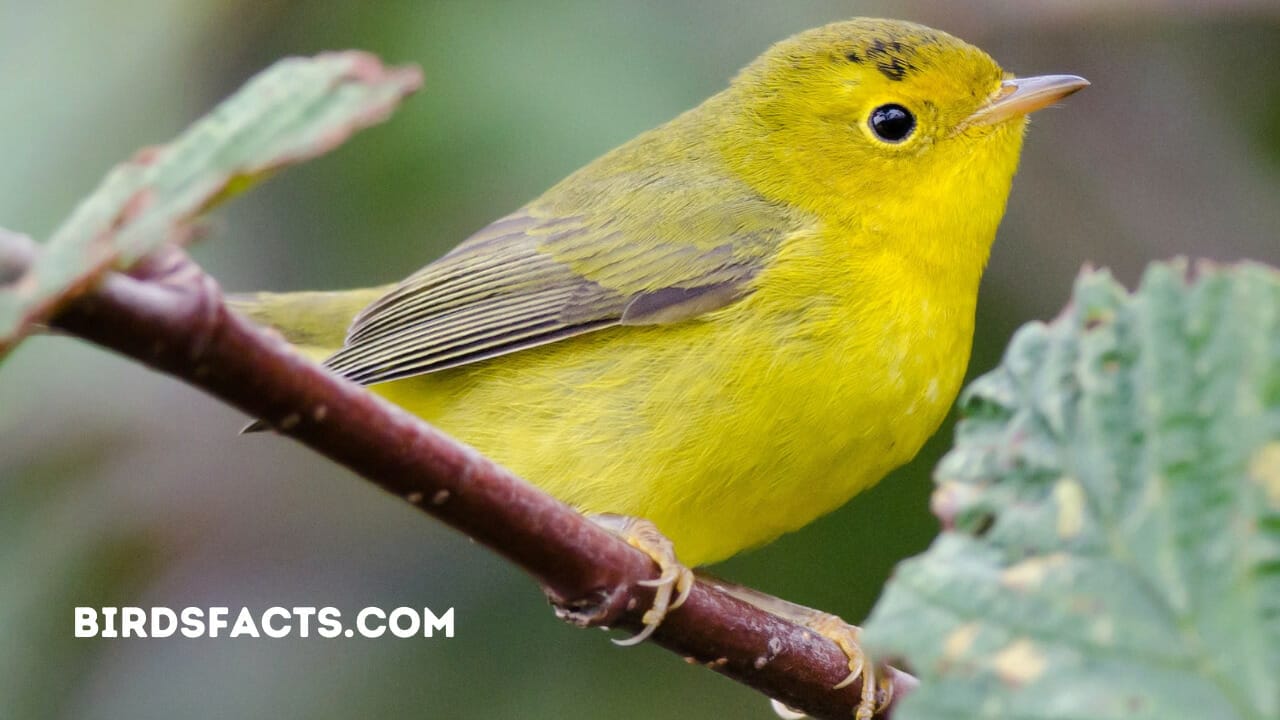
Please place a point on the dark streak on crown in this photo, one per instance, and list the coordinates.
(895, 69)
(893, 58)
(890, 58)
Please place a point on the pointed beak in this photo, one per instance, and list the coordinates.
(1025, 95)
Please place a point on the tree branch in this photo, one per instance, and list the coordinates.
(168, 314)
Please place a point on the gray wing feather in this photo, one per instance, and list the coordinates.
(533, 278)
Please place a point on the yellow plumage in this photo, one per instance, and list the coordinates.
(735, 322)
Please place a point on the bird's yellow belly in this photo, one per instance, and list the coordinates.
(723, 433)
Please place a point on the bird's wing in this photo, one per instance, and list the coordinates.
(553, 270)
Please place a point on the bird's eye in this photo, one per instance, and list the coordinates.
(892, 123)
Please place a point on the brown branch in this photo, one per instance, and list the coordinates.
(169, 315)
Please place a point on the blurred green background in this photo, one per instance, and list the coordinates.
(120, 487)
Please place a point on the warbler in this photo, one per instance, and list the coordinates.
(733, 323)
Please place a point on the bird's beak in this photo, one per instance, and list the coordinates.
(1025, 95)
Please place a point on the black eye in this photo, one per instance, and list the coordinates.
(892, 123)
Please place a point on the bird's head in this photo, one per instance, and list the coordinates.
(885, 122)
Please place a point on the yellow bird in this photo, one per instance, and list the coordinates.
(733, 323)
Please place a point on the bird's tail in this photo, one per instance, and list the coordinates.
(315, 322)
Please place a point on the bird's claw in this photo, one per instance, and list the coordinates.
(675, 579)
(877, 691)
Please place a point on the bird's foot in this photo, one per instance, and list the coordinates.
(877, 689)
(671, 587)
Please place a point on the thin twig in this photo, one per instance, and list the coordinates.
(169, 315)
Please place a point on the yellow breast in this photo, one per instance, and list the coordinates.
(731, 429)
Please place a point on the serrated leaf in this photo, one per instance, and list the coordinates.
(1112, 515)
(293, 111)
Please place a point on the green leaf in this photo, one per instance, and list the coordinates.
(293, 111)
(1112, 516)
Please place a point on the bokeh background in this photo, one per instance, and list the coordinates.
(120, 487)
